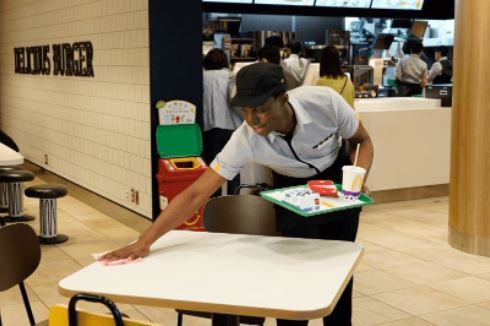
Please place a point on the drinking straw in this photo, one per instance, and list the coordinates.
(357, 154)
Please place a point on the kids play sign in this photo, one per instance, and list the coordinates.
(61, 59)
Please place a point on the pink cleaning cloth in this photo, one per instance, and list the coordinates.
(123, 261)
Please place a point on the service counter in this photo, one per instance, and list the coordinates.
(411, 138)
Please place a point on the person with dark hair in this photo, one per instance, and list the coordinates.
(219, 118)
(215, 59)
(296, 134)
(331, 75)
(442, 70)
(271, 53)
(411, 72)
(295, 63)
(274, 40)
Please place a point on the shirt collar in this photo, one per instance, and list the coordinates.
(443, 58)
(302, 119)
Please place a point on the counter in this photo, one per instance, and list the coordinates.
(412, 139)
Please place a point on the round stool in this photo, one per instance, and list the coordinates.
(47, 195)
(4, 199)
(14, 179)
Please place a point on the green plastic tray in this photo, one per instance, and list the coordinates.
(184, 140)
(270, 196)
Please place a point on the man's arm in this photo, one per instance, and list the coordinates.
(366, 149)
(176, 213)
(435, 71)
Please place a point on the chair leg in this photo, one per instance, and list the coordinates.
(27, 304)
(179, 319)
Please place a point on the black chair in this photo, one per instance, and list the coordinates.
(14, 181)
(47, 194)
(20, 254)
(238, 214)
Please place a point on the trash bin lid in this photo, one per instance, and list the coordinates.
(183, 140)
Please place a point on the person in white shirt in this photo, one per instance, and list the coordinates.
(295, 64)
(219, 119)
(442, 70)
(295, 133)
(411, 72)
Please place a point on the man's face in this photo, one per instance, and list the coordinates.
(266, 117)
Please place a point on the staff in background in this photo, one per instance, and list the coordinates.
(295, 63)
(442, 70)
(272, 54)
(411, 72)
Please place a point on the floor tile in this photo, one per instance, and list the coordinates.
(412, 321)
(16, 315)
(471, 289)
(471, 264)
(420, 300)
(377, 281)
(425, 273)
(383, 258)
(369, 311)
(464, 316)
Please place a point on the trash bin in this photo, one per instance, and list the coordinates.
(179, 147)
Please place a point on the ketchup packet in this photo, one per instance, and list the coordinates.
(323, 187)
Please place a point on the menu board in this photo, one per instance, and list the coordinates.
(344, 3)
(230, 1)
(398, 4)
(285, 2)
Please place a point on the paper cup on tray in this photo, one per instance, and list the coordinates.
(352, 178)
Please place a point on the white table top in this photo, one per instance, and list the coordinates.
(9, 157)
(230, 274)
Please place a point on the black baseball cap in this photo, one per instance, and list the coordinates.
(257, 82)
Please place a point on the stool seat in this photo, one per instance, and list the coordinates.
(13, 182)
(9, 168)
(47, 194)
(16, 176)
(46, 191)
(4, 202)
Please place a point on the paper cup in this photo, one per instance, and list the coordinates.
(352, 178)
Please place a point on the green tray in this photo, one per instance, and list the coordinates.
(182, 140)
(275, 194)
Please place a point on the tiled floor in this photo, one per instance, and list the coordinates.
(408, 276)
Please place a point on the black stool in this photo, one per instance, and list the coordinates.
(47, 195)
(4, 199)
(13, 180)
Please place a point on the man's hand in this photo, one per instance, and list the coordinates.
(365, 190)
(133, 251)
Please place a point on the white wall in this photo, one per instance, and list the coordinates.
(95, 131)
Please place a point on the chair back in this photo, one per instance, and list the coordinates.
(20, 254)
(58, 316)
(61, 315)
(240, 214)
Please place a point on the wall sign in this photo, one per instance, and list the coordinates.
(66, 59)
